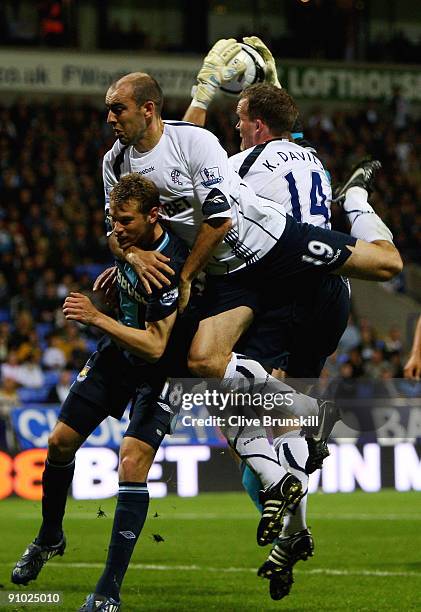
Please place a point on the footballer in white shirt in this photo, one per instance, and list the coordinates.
(305, 332)
(245, 244)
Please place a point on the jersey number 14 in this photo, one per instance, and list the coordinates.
(317, 197)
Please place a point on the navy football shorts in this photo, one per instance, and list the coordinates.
(299, 335)
(105, 386)
(304, 252)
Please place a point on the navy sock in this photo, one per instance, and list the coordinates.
(129, 518)
(56, 480)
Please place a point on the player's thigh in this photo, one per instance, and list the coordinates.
(150, 418)
(216, 337)
(77, 419)
(302, 252)
(80, 415)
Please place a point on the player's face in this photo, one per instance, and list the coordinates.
(245, 125)
(131, 227)
(124, 115)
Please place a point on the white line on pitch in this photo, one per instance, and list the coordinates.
(229, 570)
(192, 516)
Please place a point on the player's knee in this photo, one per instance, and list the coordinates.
(135, 461)
(206, 366)
(61, 447)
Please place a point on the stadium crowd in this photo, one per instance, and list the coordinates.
(52, 236)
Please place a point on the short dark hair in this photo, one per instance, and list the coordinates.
(135, 187)
(145, 88)
(272, 105)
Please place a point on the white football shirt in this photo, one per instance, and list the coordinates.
(196, 182)
(290, 175)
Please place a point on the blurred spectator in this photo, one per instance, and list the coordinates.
(30, 372)
(393, 342)
(10, 368)
(54, 357)
(4, 340)
(59, 392)
(354, 366)
(351, 336)
(377, 365)
(9, 398)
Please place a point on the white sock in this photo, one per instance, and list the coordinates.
(292, 454)
(365, 223)
(250, 442)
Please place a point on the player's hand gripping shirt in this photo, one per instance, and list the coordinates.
(290, 175)
(196, 182)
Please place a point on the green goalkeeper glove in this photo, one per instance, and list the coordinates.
(215, 70)
(271, 72)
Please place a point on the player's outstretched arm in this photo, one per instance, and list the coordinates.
(271, 72)
(412, 367)
(214, 71)
(196, 115)
(149, 343)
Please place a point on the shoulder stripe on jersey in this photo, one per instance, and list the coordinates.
(250, 159)
(165, 241)
(118, 163)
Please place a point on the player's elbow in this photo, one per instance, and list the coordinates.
(156, 351)
(155, 356)
(393, 265)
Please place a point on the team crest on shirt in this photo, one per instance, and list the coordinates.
(175, 177)
(211, 176)
(83, 373)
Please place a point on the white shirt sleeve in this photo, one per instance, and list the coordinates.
(211, 174)
(108, 177)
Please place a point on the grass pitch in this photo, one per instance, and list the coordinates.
(368, 555)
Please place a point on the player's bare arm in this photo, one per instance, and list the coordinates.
(211, 233)
(149, 343)
(412, 367)
(196, 115)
